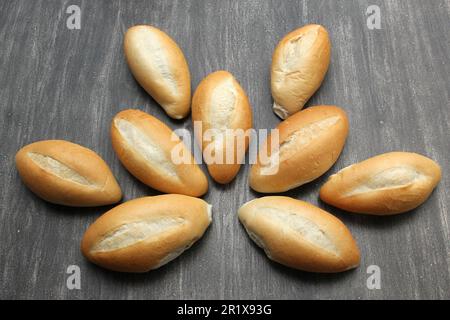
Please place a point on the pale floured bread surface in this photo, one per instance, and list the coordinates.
(391, 178)
(176, 253)
(172, 255)
(295, 51)
(134, 232)
(222, 105)
(147, 148)
(152, 50)
(298, 140)
(58, 168)
(300, 226)
(221, 110)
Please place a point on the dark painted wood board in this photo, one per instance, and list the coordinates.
(57, 83)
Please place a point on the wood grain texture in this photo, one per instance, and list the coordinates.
(58, 83)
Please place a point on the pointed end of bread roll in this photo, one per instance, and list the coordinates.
(223, 173)
(179, 110)
(280, 111)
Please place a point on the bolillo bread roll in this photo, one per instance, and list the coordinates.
(299, 64)
(66, 173)
(387, 184)
(299, 235)
(310, 142)
(158, 64)
(146, 147)
(146, 233)
(221, 104)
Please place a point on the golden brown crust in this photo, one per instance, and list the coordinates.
(386, 184)
(312, 240)
(322, 131)
(299, 64)
(97, 187)
(204, 104)
(158, 64)
(182, 178)
(149, 252)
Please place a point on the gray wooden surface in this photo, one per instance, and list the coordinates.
(57, 83)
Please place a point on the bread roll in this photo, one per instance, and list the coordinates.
(389, 183)
(146, 147)
(146, 233)
(66, 173)
(299, 64)
(299, 235)
(158, 64)
(310, 143)
(222, 105)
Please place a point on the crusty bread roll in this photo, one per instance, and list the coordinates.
(222, 105)
(146, 233)
(146, 147)
(158, 64)
(387, 184)
(299, 235)
(310, 143)
(299, 64)
(66, 173)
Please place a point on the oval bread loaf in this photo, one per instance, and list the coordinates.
(66, 173)
(389, 183)
(299, 64)
(146, 233)
(223, 109)
(158, 64)
(299, 235)
(310, 142)
(147, 147)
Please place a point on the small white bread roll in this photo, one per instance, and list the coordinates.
(146, 233)
(299, 235)
(146, 147)
(158, 64)
(387, 184)
(310, 142)
(299, 64)
(66, 173)
(222, 105)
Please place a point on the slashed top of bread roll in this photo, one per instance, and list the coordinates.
(223, 109)
(309, 143)
(389, 183)
(66, 173)
(299, 235)
(159, 65)
(155, 155)
(299, 64)
(145, 233)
